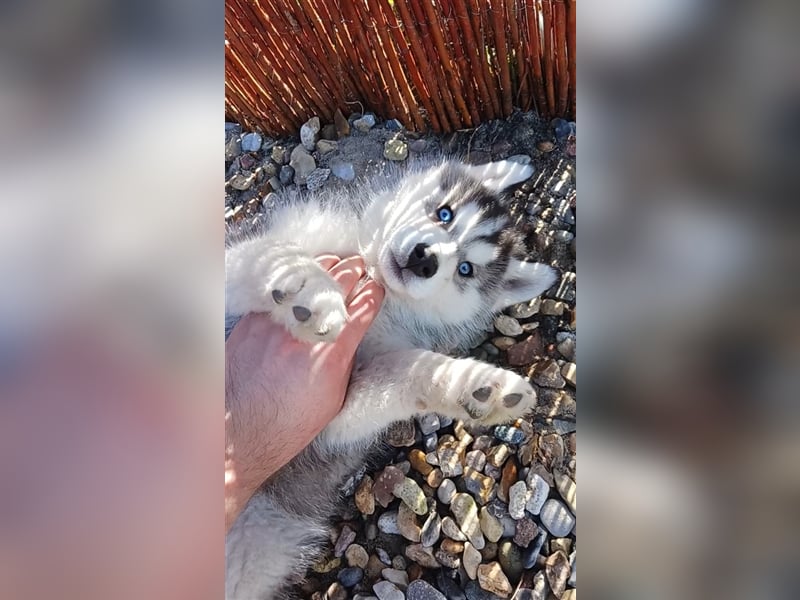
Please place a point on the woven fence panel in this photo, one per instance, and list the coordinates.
(432, 64)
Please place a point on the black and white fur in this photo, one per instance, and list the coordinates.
(402, 368)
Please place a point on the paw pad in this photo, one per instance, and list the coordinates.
(301, 313)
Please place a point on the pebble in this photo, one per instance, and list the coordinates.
(566, 344)
(566, 487)
(384, 557)
(280, 154)
(492, 579)
(490, 526)
(365, 123)
(465, 512)
(568, 373)
(398, 562)
(410, 493)
(446, 559)
(386, 590)
(233, 148)
(422, 590)
(434, 478)
(553, 307)
(422, 556)
(430, 442)
(500, 453)
(341, 124)
(246, 161)
(573, 564)
(302, 163)
(286, 175)
(449, 462)
(395, 149)
(335, 591)
(346, 537)
(343, 170)
(387, 522)
(517, 497)
(508, 477)
(482, 442)
(383, 487)
(407, 523)
(418, 145)
(471, 559)
(325, 146)
(507, 325)
(503, 342)
(452, 546)
(480, 486)
(452, 530)
(551, 450)
(539, 490)
(522, 159)
(371, 531)
(525, 310)
(532, 553)
(317, 179)
(509, 526)
(449, 587)
(546, 373)
(431, 530)
(417, 459)
(356, 556)
(275, 183)
(510, 559)
(428, 423)
(555, 516)
(545, 146)
(326, 564)
(396, 576)
(401, 434)
(523, 353)
(475, 459)
(242, 181)
(474, 592)
(350, 576)
(251, 142)
(364, 499)
(309, 132)
(393, 125)
(525, 532)
(489, 551)
(557, 570)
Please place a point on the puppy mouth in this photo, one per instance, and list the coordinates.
(392, 271)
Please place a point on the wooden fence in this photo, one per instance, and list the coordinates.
(432, 64)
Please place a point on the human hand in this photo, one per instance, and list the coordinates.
(280, 393)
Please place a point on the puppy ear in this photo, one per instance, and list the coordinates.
(497, 176)
(524, 281)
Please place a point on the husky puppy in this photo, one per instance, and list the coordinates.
(438, 240)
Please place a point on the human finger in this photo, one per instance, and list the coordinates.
(362, 311)
(326, 261)
(347, 272)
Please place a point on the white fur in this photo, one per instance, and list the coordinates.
(399, 370)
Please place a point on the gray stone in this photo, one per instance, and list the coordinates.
(431, 530)
(507, 325)
(475, 459)
(280, 154)
(325, 146)
(546, 373)
(532, 553)
(471, 559)
(428, 423)
(302, 163)
(412, 495)
(449, 462)
(393, 125)
(350, 576)
(522, 159)
(474, 592)
(422, 556)
(309, 133)
(422, 590)
(407, 523)
(275, 184)
(396, 576)
(286, 174)
(510, 558)
(356, 556)
(465, 512)
(251, 142)
(317, 179)
(566, 487)
(243, 181)
(233, 148)
(572, 558)
(452, 530)
(395, 149)
(387, 522)
(555, 516)
(446, 559)
(539, 490)
(449, 587)
(418, 145)
(346, 537)
(568, 372)
(365, 123)
(383, 555)
(517, 498)
(566, 344)
(386, 590)
(490, 526)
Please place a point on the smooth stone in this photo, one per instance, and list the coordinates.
(396, 576)
(346, 537)
(387, 523)
(524, 310)
(393, 125)
(553, 308)
(478, 485)
(431, 530)
(474, 592)
(568, 372)
(465, 512)
(365, 123)
(498, 455)
(364, 498)
(428, 423)
(434, 478)
(309, 132)
(317, 179)
(573, 564)
(350, 576)
(507, 325)
(452, 546)
(396, 150)
(522, 159)
(286, 175)
(489, 551)
(233, 148)
(412, 495)
(335, 591)
(422, 590)
(539, 490)
(510, 435)
(243, 181)
(251, 142)
(399, 563)
(509, 525)
(475, 459)
(302, 163)
(470, 560)
(417, 459)
(343, 170)
(280, 154)
(449, 587)
(452, 530)
(532, 553)
(449, 462)
(384, 557)
(407, 523)
(483, 443)
(555, 516)
(566, 344)
(547, 373)
(325, 146)
(517, 497)
(386, 590)
(545, 146)
(418, 145)
(446, 559)
(557, 570)
(432, 458)
(510, 558)
(422, 556)
(356, 556)
(492, 579)
(371, 531)
(568, 490)
(490, 526)
(383, 487)
(524, 352)
(326, 564)
(508, 477)
(503, 342)
(430, 441)
(526, 530)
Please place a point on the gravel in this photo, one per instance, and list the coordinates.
(450, 511)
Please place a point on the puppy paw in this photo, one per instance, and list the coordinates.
(309, 303)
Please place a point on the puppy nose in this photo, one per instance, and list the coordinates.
(421, 262)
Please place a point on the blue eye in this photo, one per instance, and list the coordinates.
(465, 269)
(445, 214)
